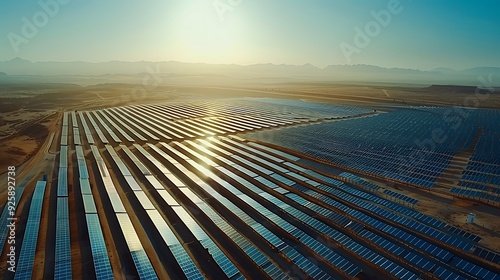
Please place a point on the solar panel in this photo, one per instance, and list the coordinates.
(107, 128)
(4, 231)
(154, 182)
(62, 182)
(97, 129)
(137, 134)
(28, 248)
(63, 156)
(86, 129)
(85, 186)
(98, 247)
(62, 260)
(89, 204)
(131, 122)
(144, 200)
(141, 260)
(116, 127)
(487, 255)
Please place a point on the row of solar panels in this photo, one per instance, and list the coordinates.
(301, 261)
(481, 177)
(476, 194)
(393, 206)
(62, 260)
(241, 180)
(217, 218)
(221, 142)
(62, 269)
(26, 257)
(7, 214)
(364, 183)
(64, 131)
(86, 129)
(139, 257)
(97, 129)
(401, 197)
(478, 186)
(357, 152)
(152, 122)
(458, 243)
(102, 265)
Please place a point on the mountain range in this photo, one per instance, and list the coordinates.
(282, 72)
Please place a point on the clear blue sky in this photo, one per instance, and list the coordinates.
(424, 35)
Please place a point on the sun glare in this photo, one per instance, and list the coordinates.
(202, 36)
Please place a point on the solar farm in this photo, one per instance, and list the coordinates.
(255, 188)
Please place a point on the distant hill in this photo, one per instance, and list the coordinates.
(110, 71)
(3, 74)
(458, 89)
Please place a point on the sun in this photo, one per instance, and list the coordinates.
(200, 34)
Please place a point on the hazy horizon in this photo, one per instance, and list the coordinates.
(408, 34)
(250, 64)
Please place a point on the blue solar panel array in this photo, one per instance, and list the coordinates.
(476, 194)
(334, 258)
(4, 218)
(364, 183)
(63, 244)
(303, 108)
(297, 204)
(139, 256)
(253, 252)
(401, 197)
(383, 144)
(88, 134)
(487, 255)
(64, 130)
(98, 247)
(405, 237)
(183, 259)
(28, 247)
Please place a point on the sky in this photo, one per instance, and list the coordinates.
(419, 34)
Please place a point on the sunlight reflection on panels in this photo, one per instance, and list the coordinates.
(177, 182)
(144, 200)
(116, 202)
(190, 223)
(165, 231)
(88, 204)
(141, 260)
(168, 198)
(154, 182)
(132, 183)
(191, 195)
(85, 186)
(133, 241)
